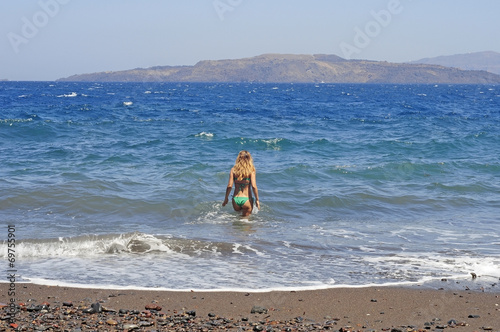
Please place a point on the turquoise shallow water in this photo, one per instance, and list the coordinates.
(114, 184)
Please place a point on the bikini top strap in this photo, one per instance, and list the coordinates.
(242, 185)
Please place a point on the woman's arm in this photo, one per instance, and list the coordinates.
(229, 187)
(254, 189)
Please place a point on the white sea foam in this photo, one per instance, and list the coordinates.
(273, 143)
(205, 134)
(71, 95)
(92, 246)
(455, 266)
(312, 285)
(245, 249)
(15, 120)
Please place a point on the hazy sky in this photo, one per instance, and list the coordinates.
(50, 39)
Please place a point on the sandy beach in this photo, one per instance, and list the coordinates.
(53, 308)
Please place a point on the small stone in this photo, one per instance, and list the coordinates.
(144, 323)
(67, 304)
(373, 300)
(130, 327)
(34, 308)
(487, 328)
(111, 322)
(258, 310)
(191, 313)
(258, 328)
(106, 309)
(153, 306)
(474, 316)
(96, 307)
(331, 322)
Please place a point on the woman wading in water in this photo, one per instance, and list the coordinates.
(242, 175)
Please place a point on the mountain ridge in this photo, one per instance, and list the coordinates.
(295, 68)
(488, 61)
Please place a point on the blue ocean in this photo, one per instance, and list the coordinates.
(120, 185)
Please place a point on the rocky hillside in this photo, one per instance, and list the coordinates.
(283, 68)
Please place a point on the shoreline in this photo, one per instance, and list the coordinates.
(370, 308)
(478, 283)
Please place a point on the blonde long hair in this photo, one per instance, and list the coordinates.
(244, 165)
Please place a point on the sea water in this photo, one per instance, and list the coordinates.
(121, 184)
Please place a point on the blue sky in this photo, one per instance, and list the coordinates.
(50, 39)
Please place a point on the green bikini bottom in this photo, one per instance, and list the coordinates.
(240, 200)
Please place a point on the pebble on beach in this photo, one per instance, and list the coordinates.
(46, 317)
(121, 314)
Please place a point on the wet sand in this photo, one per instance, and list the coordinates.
(54, 308)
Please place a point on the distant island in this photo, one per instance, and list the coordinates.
(488, 61)
(296, 68)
